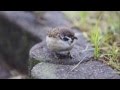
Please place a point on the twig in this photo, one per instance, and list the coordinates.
(86, 49)
(78, 64)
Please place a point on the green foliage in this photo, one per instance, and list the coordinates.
(114, 59)
(83, 17)
(104, 35)
(95, 38)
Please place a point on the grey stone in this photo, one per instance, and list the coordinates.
(88, 70)
(19, 31)
(16, 38)
(43, 65)
(4, 69)
(4, 73)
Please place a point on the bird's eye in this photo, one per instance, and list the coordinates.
(65, 39)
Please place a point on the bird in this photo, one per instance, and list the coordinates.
(61, 39)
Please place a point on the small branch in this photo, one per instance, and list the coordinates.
(86, 49)
(78, 63)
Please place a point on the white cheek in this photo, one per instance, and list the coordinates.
(70, 40)
(56, 44)
(50, 41)
(63, 43)
(74, 41)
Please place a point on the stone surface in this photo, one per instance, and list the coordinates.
(4, 69)
(19, 31)
(43, 65)
(4, 73)
(24, 20)
(16, 38)
(88, 70)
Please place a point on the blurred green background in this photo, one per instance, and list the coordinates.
(102, 29)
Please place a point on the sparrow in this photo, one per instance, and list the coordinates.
(60, 39)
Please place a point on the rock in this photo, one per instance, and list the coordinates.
(4, 73)
(26, 21)
(4, 69)
(88, 70)
(43, 65)
(19, 31)
(17, 37)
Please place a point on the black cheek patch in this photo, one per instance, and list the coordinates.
(65, 39)
(72, 40)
